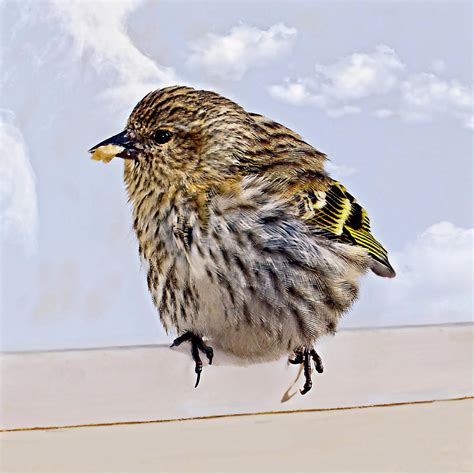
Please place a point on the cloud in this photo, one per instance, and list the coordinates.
(230, 56)
(344, 110)
(470, 123)
(359, 75)
(339, 171)
(348, 86)
(99, 28)
(426, 95)
(434, 281)
(294, 93)
(383, 113)
(18, 201)
(353, 77)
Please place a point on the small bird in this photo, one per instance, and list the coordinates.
(246, 239)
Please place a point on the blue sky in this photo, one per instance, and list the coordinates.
(384, 88)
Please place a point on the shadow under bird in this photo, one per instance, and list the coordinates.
(246, 239)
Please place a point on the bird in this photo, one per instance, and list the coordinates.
(246, 240)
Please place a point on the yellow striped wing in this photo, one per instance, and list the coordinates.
(337, 212)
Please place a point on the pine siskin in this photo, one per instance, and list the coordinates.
(246, 239)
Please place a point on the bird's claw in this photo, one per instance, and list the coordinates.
(197, 344)
(307, 386)
(184, 337)
(298, 358)
(198, 370)
(304, 356)
(318, 363)
(207, 350)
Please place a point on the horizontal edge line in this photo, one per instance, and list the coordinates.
(157, 345)
(233, 415)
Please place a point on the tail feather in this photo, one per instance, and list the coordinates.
(382, 269)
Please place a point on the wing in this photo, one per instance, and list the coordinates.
(339, 214)
(323, 203)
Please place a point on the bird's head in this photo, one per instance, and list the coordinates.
(181, 135)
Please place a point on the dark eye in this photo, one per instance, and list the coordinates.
(162, 136)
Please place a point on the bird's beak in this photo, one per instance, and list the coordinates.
(119, 145)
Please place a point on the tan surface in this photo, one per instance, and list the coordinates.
(433, 437)
(362, 367)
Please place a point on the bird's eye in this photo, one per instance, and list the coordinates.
(162, 136)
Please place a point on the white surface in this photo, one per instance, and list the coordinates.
(362, 367)
(433, 437)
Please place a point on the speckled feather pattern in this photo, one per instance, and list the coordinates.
(227, 251)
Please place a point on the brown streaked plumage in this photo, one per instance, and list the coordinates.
(247, 241)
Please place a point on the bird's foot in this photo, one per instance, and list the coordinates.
(304, 356)
(197, 344)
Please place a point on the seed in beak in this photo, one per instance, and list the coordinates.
(106, 153)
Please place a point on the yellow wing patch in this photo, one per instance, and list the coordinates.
(337, 212)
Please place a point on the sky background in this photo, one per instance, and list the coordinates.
(384, 88)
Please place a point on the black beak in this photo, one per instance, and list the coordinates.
(123, 140)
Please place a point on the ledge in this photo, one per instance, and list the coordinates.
(116, 385)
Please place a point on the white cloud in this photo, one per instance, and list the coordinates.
(342, 87)
(291, 93)
(359, 75)
(99, 28)
(428, 91)
(434, 281)
(470, 123)
(383, 113)
(230, 56)
(18, 201)
(339, 171)
(297, 93)
(351, 78)
(344, 110)
(425, 95)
